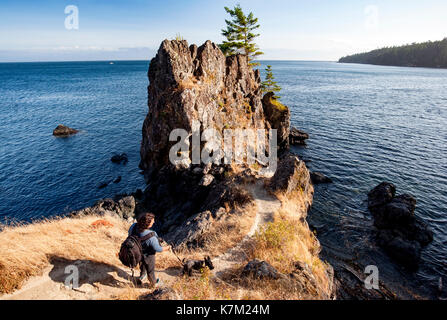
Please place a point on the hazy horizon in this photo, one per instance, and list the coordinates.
(133, 30)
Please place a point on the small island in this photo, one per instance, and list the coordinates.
(427, 54)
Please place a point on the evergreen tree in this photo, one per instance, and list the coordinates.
(240, 36)
(270, 85)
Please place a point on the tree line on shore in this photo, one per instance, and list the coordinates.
(427, 54)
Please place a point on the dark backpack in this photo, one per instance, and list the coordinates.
(131, 252)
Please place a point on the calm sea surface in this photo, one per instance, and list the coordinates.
(367, 124)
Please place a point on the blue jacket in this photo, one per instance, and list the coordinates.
(151, 245)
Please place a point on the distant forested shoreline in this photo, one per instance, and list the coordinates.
(427, 54)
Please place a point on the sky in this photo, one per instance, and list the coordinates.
(326, 30)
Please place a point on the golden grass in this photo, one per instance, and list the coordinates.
(26, 249)
(223, 235)
(202, 287)
(281, 243)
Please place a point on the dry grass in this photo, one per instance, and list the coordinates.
(223, 235)
(26, 249)
(202, 287)
(281, 243)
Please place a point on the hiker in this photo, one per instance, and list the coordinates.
(150, 247)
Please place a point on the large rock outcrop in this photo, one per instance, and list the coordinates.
(190, 83)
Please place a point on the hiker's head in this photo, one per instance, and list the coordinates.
(145, 221)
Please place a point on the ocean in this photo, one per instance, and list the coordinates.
(367, 124)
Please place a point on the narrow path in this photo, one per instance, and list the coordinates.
(107, 285)
(266, 205)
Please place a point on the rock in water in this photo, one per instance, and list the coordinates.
(120, 158)
(64, 131)
(319, 178)
(381, 195)
(400, 233)
(298, 137)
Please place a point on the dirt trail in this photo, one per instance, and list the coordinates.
(109, 282)
(266, 205)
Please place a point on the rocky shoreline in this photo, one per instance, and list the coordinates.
(190, 84)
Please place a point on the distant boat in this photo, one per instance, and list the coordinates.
(112, 63)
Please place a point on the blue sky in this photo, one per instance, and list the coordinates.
(290, 29)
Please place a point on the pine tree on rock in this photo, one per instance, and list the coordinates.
(270, 85)
(239, 35)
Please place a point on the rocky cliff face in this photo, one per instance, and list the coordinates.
(190, 83)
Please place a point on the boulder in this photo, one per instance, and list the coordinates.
(290, 175)
(400, 233)
(297, 137)
(64, 131)
(278, 117)
(120, 158)
(257, 269)
(380, 195)
(396, 213)
(319, 178)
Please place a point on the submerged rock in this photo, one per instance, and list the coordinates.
(120, 158)
(319, 178)
(298, 137)
(64, 131)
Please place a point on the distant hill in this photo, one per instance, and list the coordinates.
(427, 54)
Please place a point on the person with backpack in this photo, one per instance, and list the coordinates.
(141, 246)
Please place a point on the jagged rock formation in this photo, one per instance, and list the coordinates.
(400, 232)
(123, 207)
(189, 83)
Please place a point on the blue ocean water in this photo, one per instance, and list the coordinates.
(367, 124)
(42, 175)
